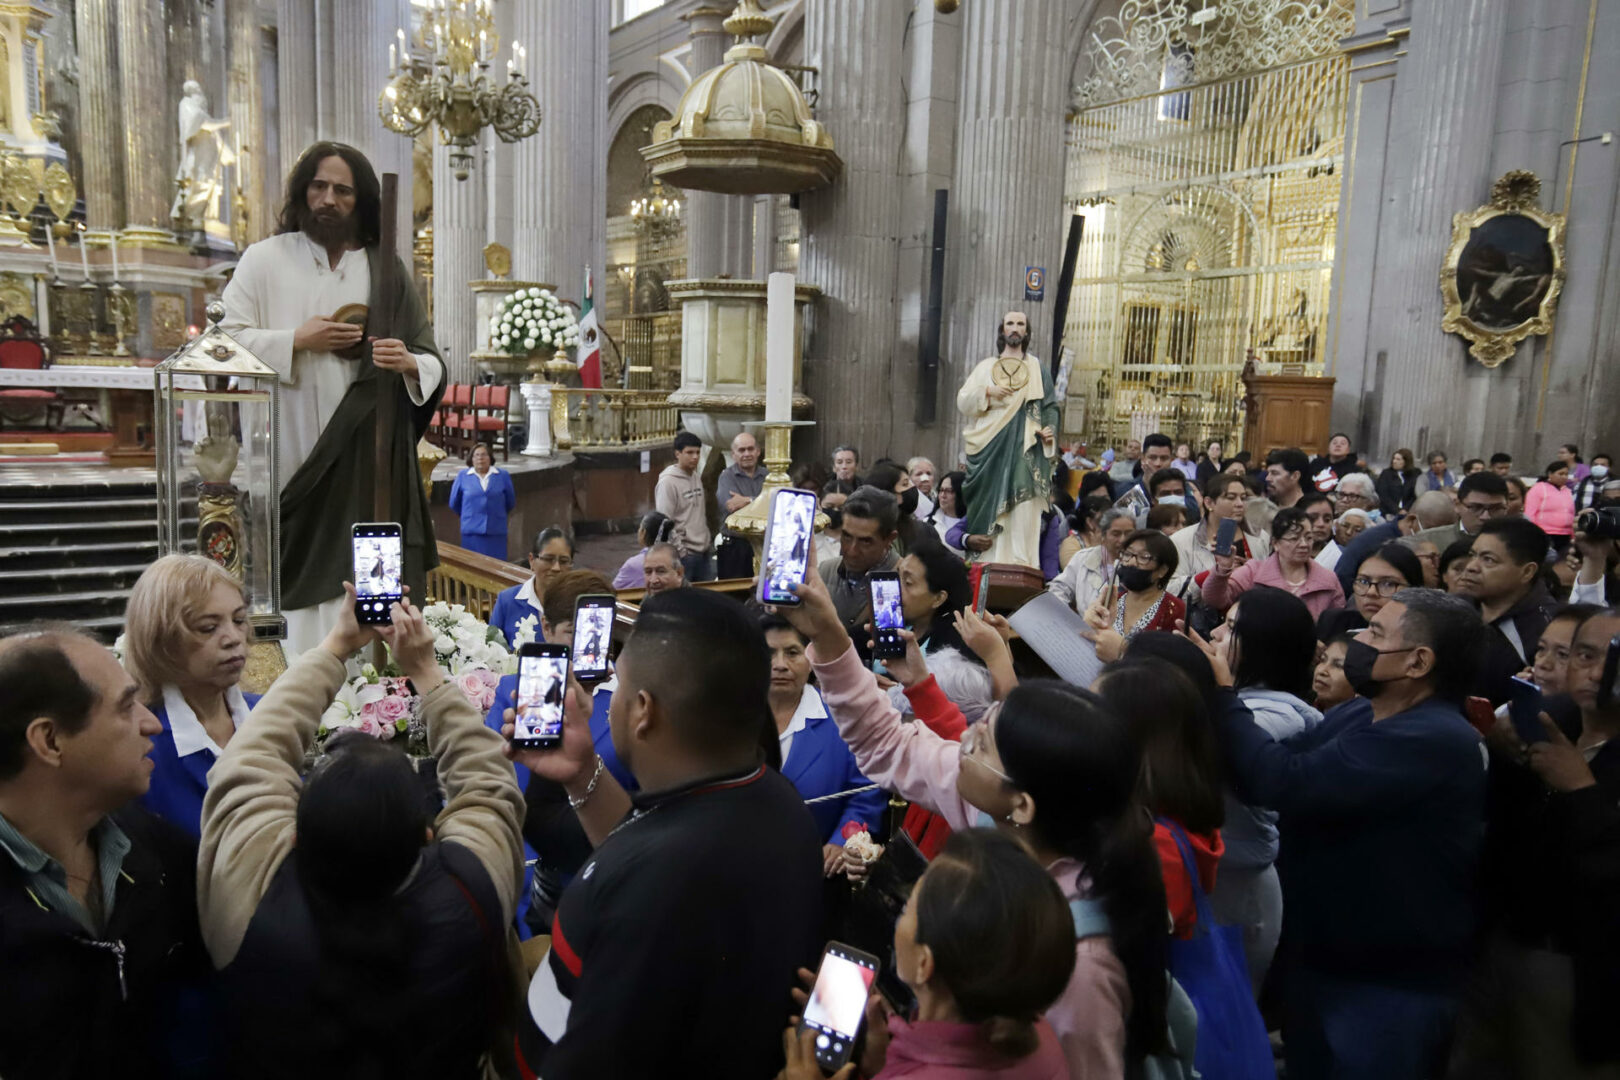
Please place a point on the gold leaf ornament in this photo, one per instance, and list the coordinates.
(60, 191)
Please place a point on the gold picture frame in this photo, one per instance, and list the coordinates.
(1504, 271)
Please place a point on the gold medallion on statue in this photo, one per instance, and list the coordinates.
(354, 315)
(1010, 373)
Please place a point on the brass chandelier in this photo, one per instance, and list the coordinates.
(656, 213)
(445, 81)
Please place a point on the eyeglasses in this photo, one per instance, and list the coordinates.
(1137, 558)
(975, 741)
(1485, 510)
(1385, 587)
(555, 560)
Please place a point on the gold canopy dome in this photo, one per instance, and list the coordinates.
(743, 128)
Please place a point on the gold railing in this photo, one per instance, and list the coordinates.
(611, 419)
(470, 579)
(651, 346)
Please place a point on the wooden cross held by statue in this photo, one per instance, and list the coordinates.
(388, 383)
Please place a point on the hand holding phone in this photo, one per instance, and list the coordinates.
(1524, 709)
(1225, 533)
(593, 636)
(542, 694)
(837, 1004)
(379, 570)
(789, 545)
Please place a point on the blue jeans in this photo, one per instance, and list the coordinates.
(1340, 1029)
(699, 566)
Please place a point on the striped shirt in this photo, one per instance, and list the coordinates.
(46, 880)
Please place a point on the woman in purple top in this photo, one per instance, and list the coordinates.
(654, 529)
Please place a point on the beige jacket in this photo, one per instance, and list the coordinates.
(679, 496)
(249, 812)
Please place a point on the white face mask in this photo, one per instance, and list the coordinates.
(1600, 471)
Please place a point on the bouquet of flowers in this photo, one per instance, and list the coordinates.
(381, 704)
(533, 319)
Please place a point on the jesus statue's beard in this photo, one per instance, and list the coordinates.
(328, 228)
(1014, 340)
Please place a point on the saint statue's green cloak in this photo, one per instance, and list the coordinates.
(334, 487)
(1006, 472)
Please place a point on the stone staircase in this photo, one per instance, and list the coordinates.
(71, 549)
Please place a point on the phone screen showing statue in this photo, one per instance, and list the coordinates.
(887, 618)
(788, 545)
(378, 571)
(593, 631)
(542, 687)
(838, 1003)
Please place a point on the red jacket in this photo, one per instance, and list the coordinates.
(931, 707)
(1207, 852)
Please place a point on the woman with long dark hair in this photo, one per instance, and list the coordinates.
(1269, 642)
(933, 588)
(374, 946)
(1057, 768)
(1397, 484)
(950, 506)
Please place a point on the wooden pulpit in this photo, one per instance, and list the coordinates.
(1287, 410)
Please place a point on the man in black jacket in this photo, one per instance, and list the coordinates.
(1504, 578)
(98, 908)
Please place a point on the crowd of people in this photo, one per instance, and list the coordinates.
(1344, 776)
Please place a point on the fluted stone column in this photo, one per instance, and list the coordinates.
(100, 137)
(1445, 109)
(850, 242)
(149, 124)
(560, 173)
(1006, 209)
(719, 228)
(296, 78)
(459, 211)
(245, 93)
(361, 32)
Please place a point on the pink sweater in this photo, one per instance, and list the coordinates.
(1089, 1018)
(1321, 592)
(935, 1050)
(1551, 507)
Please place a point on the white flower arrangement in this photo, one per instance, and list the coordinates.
(532, 319)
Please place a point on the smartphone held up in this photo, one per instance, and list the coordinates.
(887, 618)
(542, 691)
(837, 1003)
(593, 636)
(789, 544)
(379, 570)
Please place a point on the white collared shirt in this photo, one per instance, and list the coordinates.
(483, 480)
(810, 707)
(189, 734)
(526, 594)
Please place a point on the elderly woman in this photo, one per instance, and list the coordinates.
(1089, 573)
(185, 644)
(1289, 567)
(483, 495)
(1346, 527)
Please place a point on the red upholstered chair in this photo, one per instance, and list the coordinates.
(22, 349)
(487, 415)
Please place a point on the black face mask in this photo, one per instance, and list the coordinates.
(908, 501)
(1359, 660)
(1135, 578)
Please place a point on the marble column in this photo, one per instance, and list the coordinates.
(559, 219)
(100, 137)
(1445, 108)
(1006, 207)
(459, 212)
(719, 228)
(361, 32)
(149, 124)
(246, 98)
(850, 242)
(296, 78)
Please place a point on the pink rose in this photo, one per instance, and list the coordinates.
(486, 700)
(368, 724)
(491, 679)
(391, 710)
(368, 711)
(471, 686)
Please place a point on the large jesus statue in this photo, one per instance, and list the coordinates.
(280, 304)
(1010, 417)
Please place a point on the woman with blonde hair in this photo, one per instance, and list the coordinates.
(185, 644)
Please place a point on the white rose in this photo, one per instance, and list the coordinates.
(528, 343)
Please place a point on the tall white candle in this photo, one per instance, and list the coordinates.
(779, 348)
(50, 243)
(84, 253)
(112, 243)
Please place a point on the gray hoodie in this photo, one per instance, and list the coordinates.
(1251, 831)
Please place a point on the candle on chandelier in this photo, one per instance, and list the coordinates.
(393, 60)
(483, 47)
(778, 348)
(523, 62)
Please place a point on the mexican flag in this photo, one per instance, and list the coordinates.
(589, 354)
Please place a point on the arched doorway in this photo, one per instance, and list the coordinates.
(1205, 151)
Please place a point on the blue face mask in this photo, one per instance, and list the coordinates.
(983, 820)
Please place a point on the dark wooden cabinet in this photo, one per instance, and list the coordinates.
(1287, 410)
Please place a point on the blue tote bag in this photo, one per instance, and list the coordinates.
(1210, 966)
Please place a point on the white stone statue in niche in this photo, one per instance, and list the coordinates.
(199, 181)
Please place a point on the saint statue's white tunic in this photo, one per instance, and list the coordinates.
(1019, 540)
(281, 283)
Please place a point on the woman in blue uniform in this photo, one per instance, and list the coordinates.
(483, 495)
